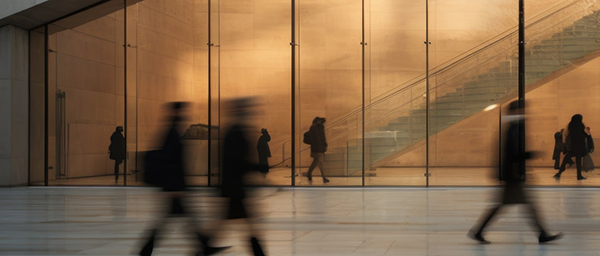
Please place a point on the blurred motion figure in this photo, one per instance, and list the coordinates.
(513, 173)
(170, 161)
(236, 166)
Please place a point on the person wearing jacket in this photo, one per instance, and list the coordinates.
(575, 141)
(559, 147)
(117, 149)
(264, 152)
(512, 172)
(588, 164)
(318, 147)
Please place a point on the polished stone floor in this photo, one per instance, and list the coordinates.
(301, 221)
(414, 177)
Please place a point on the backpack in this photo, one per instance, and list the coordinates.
(154, 168)
(307, 138)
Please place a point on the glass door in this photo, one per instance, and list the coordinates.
(86, 99)
(473, 71)
(395, 82)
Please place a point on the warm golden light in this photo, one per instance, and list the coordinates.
(490, 107)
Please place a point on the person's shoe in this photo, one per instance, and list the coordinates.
(209, 250)
(149, 246)
(309, 178)
(581, 178)
(557, 176)
(325, 180)
(546, 238)
(478, 237)
(256, 248)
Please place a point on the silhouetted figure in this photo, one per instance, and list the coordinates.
(559, 147)
(264, 152)
(174, 185)
(117, 149)
(318, 147)
(513, 174)
(236, 165)
(588, 164)
(576, 146)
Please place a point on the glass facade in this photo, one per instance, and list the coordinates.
(414, 92)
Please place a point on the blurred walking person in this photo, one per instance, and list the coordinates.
(236, 166)
(264, 152)
(318, 147)
(167, 168)
(575, 142)
(117, 149)
(513, 173)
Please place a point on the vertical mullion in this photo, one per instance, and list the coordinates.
(293, 91)
(46, 84)
(125, 89)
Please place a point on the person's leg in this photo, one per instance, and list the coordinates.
(117, 163)
(477, 233)
(563, 165)
(578, 162)
(157, 226)
(312, 167)
(557, 163)
(321, 163)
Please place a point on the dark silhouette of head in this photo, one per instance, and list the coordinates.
(319, 120)
(264, 131)
(119, 129)
(576, 123)
(514, 108)
(176, 110)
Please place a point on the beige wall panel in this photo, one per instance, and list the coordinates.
(85, 74)
(164, 66)
(85, 46)
(181, 10)
(160, 23)
(235, 6)
(90, 107)
(103, 28)
(150, 41)
(237, 31)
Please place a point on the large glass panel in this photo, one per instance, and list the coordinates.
(86, 97)
(37, 108)
(473, 61)
(394, 89)
(562, 75)
(170, 65)
(330, 86)
(255, 62)
(214, 95)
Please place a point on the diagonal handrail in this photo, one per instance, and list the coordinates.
(452, 63)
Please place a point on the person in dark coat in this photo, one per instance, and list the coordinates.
(588, 164)
(236, 165)
(575, 141)
(117, 149)
(513, 173)
(318, 147)
(264, 152)
(559, 147)
(174, 186)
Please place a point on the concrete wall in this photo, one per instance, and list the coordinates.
(10, 7)
(14, 106)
